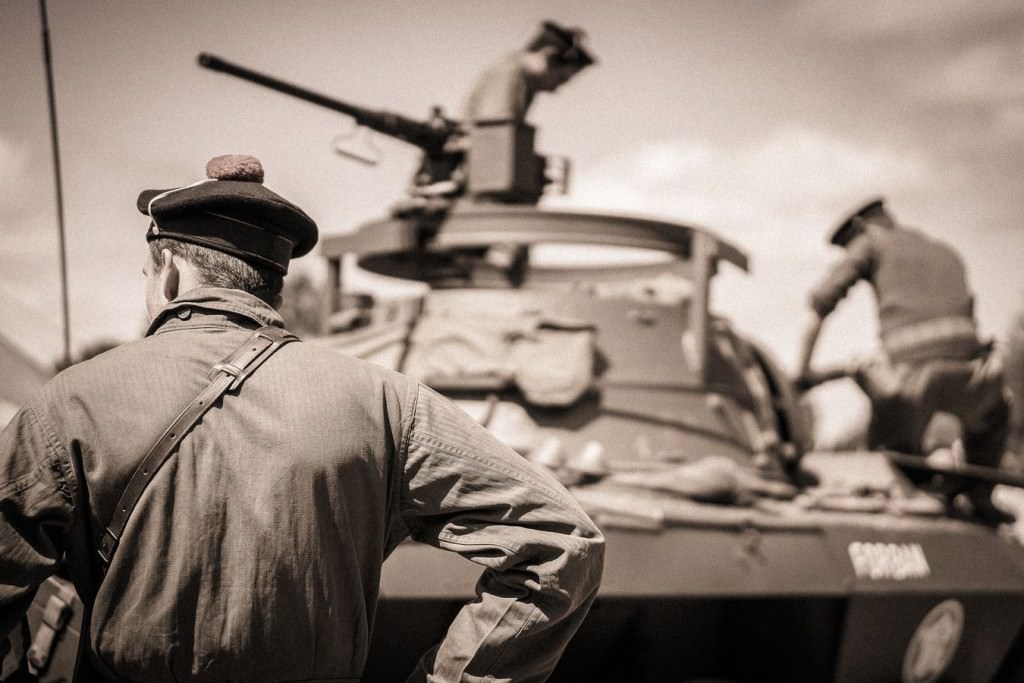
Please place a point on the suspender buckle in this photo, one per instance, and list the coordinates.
(107, 546)
(226, 368)
(238, 366)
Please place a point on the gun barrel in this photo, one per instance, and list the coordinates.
(423, 135)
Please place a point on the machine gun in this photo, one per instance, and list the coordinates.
(496, 163)
(434, 136)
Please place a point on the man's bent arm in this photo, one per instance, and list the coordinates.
(856, 265)
(812, 329)
(467, 493)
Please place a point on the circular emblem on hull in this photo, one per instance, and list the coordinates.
(934, 643)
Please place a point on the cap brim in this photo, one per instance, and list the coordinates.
(245, 201)
(844, 230)
(145, 197)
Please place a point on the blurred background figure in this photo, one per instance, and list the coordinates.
(1013, 361)
(932, 359)
(493, 158)
(505, 90)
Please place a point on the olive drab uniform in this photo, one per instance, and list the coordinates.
(933, 360)
(255, 551)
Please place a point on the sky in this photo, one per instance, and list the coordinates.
(763, 122)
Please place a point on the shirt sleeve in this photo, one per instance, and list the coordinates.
(465, 492)
(500, 93)
(856, 265)
(35, 510)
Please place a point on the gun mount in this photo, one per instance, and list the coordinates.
(490, 161)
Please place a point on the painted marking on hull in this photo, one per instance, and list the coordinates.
(889, 561)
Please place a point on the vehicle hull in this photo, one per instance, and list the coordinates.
(753, 603)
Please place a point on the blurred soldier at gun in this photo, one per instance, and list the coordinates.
(490, 155)
(505, 90)
(501, 164)
(931, 358)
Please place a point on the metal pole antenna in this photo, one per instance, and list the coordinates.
(59, 190)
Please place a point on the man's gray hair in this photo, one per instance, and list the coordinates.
(218, 269)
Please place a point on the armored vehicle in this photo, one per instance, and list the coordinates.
(733, 552)
(585, 341)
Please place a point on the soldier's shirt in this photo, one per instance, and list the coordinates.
(256, 551)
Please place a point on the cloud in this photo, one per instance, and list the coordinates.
(1009, 121)
(983, 74)
(905, 18)
(962, 59)
(797, 177)
(983, 86)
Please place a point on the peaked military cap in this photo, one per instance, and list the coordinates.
(232, 211)
(568, 41)
(846, 230)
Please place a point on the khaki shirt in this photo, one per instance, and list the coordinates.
(500, 93)
(917, 281)
(256, 551)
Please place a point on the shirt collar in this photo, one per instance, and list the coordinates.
(206, 303)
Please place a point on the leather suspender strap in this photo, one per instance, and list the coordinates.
(225, 376)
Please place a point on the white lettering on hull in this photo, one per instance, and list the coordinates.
(889, 561)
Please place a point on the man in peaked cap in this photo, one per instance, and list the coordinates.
(254, 550)
(231, 211)
(931, 359)
(505, 90)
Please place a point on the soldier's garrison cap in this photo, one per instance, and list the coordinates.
(846, 230)
(231, 211)
(568, 41)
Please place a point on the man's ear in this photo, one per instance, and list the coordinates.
(170, 277)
